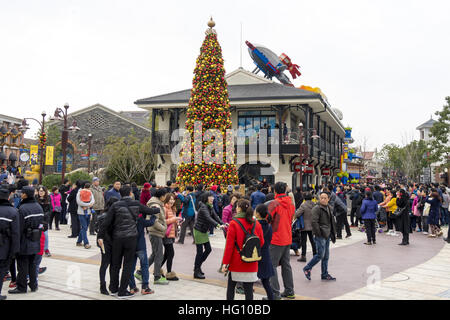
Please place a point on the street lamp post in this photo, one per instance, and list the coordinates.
(25, 127)
(61, 114)
(89, 152)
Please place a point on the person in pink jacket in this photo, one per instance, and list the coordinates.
(56, 208)
(229, 211)
(169, 239)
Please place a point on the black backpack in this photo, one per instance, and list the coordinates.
(251, 249)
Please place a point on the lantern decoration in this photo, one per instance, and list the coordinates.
(209, 104)
(42, 140)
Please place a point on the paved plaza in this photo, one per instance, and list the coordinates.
(383, 271)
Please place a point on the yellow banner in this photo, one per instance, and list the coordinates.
(34, 151)
(49, 156)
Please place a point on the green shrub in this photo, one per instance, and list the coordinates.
(51, 180)
(79, 175)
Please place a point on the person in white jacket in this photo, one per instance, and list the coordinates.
(84, 216)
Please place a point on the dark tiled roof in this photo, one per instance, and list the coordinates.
(264, 91)
(427, 124)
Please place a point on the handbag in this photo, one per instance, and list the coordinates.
(416, 211)
(169, 228)
(298, 224)
(426, 209)
(397, 213)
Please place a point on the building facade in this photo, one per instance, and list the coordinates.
(103, 124)
(430, 174)
(11, 140)
(257, 103)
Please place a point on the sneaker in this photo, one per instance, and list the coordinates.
(212, 235)
(368, 243)
(302, 259)
(348, 236)
(425, 233)
(161, 280)
(134, 290)
(42, 270)
(240, 290)
(147, 291)
(34, 289)
(307, 273)
(79, 244)
(16, 291)
(12, 285)
(288, 295)
(71, 237)
(138, 275)
(127, 295)
(87, 246)
(339, 238)
(274, 298)
(328, 278)
(114, 294)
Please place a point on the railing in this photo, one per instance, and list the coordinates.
(289, 142)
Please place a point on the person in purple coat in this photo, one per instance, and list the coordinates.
(369, 209)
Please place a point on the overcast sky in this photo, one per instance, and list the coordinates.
(384, 64)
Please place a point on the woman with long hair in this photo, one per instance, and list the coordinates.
(206, 218)
(105, 245)
(232, 263)
(44, 201)
(229, 211)
(56, 207)
(433, 218)
(171, 232)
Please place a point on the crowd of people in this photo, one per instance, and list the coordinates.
(261, 227)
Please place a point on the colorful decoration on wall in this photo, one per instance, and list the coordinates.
(210, 105)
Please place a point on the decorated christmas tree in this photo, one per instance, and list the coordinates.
(209, 106)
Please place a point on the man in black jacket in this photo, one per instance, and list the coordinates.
(62, 190)
(31, 218)
(356, 198)
(73, 210)
(298, 197)
(324, 230)
(9, 234)
(121, 220)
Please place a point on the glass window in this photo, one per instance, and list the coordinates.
(256, 123)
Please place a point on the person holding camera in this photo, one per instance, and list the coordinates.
(31, 218)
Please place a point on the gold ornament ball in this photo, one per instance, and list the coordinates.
(211, 23)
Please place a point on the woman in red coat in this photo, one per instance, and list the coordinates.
(240, 271)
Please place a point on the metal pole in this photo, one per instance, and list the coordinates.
(301, 159)
(64, 139)
(89, 153)
(41, 163)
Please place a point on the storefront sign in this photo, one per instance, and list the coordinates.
(326, 172)
(309, 169)
(297, 167)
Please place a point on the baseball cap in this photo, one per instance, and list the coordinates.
(95, 179)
